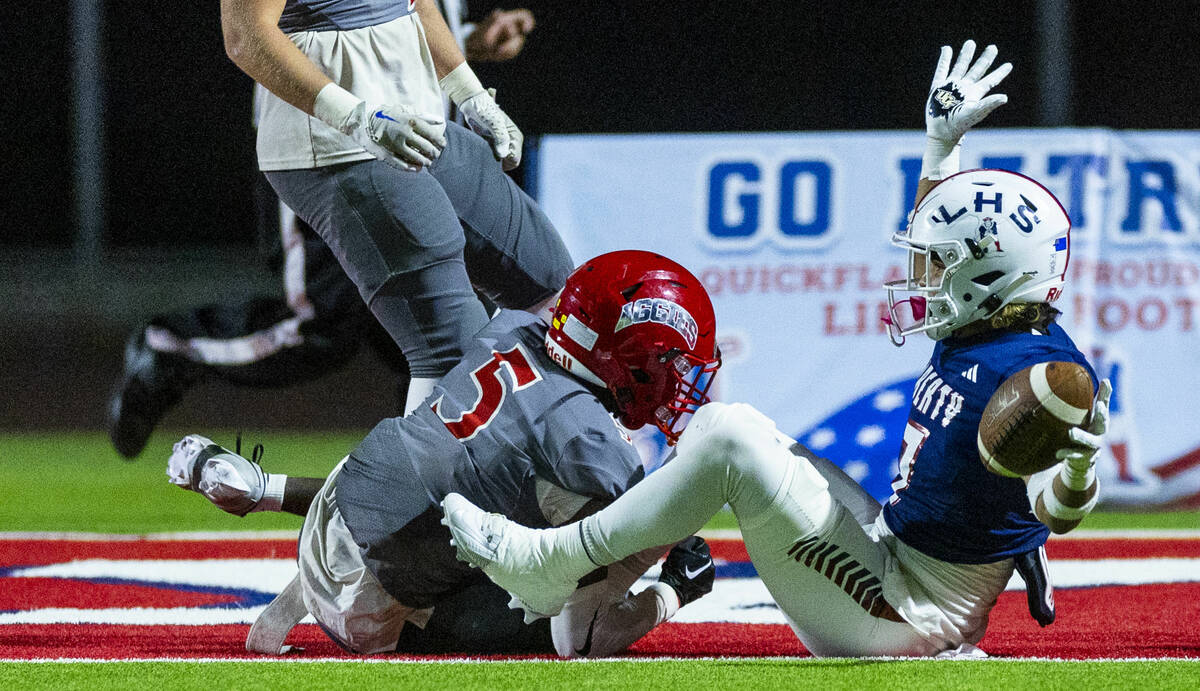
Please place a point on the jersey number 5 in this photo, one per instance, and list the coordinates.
(914, 438)
(492, 390)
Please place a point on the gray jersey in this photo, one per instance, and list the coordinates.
(505, 416)
(339, 15)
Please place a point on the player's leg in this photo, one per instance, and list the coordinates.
(476, 619)
(669, 505)
(316, 326)
(815, 559)
(514, 254)
(398, 238)
(339, 590)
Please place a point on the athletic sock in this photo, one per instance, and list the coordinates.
(419, 389)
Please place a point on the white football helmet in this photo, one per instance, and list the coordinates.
(981, 239)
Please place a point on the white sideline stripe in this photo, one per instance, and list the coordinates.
(1058, 407)
(733, 600)
(574, 661)
(722, 534)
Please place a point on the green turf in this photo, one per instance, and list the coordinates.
(705, 674)
(75, 481)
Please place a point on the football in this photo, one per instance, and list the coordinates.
(1030, 416)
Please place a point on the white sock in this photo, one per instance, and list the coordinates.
(419, 389)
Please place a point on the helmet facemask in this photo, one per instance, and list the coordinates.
(693, 378)
(642, 327)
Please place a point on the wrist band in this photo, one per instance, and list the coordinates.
(940, 160)
(334, 106)
(461, 84)
(272, 498)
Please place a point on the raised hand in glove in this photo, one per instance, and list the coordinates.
(958, 100)
(689, 570)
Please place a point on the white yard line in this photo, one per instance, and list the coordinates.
(575, 661)
(724, 534)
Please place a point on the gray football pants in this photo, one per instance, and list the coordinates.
(415, 243)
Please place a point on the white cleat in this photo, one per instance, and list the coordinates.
(511, 555)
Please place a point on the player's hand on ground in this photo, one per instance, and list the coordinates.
(488, 121)
(1089, 439)
(231, 482)
(397, 135)
(499, 36)
(689, 570)
(958, 98)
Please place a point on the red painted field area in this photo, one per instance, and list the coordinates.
(117, 599)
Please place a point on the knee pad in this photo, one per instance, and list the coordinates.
(749, 445)
(730, 427)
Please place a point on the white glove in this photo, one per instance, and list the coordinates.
(957, 101)
(394, 134)
(483, 115)
(229, 481)
(1080, 457)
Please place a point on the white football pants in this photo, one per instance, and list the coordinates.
(824, 570)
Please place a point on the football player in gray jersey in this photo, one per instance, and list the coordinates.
(523, 425)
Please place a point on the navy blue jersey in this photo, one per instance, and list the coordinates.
(945, 503)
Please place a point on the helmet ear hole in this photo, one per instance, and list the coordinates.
(632, 290)
(987, 279)
(639, 375)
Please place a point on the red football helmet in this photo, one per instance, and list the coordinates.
(641, 326)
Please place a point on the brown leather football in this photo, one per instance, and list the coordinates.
(1030, 417)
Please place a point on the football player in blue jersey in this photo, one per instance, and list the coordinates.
(987, 255)
(524, 424)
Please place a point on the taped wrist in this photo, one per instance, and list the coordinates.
(461, 84)
(335, 107)
(272, 498)
(1068, 504)
(941, 158)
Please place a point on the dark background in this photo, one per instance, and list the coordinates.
(180, 148)
(180, 151)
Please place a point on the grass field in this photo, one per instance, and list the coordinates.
(75, 482)
(761, 674)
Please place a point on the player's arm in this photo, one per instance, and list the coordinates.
(1062, 495)
(958, 100)
(254, 42)
(603, 618)
(458, 80)
(392, 132)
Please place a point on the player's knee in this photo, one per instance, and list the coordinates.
(466, 148)
(729, 432)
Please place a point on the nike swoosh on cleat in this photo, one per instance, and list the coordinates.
(587, 642)
(689, 574)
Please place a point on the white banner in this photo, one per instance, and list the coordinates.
(789, 232)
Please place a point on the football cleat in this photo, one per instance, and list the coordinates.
(230, 481)
(689, 570)
(152, 383)
(513, 556)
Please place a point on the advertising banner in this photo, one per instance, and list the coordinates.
(790, 234)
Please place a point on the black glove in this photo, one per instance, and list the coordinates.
(689, 570)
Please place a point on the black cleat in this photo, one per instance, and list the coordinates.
(689, 570)
(151, 384)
